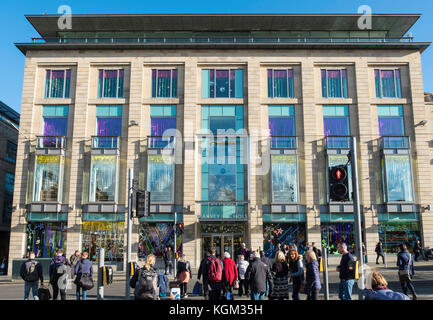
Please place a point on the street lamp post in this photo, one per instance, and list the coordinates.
(129, 234)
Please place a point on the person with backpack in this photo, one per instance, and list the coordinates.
(379, 252)
(74, 259)
(201, 273)
(31, 272)
(242, 266)
(183, 275)
(230, 275)
(84, 273)
(347, 277)
(145, 281)
(296, 269)
(380, 291)
(214, 271)
(59, 272)
(256, 275)
(405, 270)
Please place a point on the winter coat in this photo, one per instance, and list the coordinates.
(256, 275)
(84, 266)
(242, 266)
(230, 271)
(163, 282)
(403, 258)
(60, 280)
(280, 269)
(213, 285)
(296, 268)
(313, 276)
(38, 268)
(183, 268)
(383, 294)
(201, 270)
(379, 249)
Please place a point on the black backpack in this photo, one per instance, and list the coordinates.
(145, 288)
(32, 274)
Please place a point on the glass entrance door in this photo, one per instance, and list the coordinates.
(222, 243)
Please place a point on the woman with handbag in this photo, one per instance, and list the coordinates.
(296, 269)
(183, 275)
(230, 276)
(405, 270)
(84, 272)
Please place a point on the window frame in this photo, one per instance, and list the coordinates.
(297, 180)
(117, 83)
(384, 175)
(9, 143)
(229, 83)
(64, 83)
(341, 83)
(287, 79)
(60, 164)
(395, 83)
(116, 176)
(155, 90)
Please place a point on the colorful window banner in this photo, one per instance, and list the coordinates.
(280, 83)
(334, 83)
(398, 175)
(44, 238)
(103, 178)
(110, 84)
(160, 178)
(284, 178)
(335, 233)
(284, 233)
(154, 238)
(47, 177)
(392, 234)
(164, 83)
(57, 83)
(388, 83)
(222, 83)
(107, 235)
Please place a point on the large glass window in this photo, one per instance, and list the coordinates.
(162, 118)
(103, 178)
(391, 120)
(8, 197)
(47, 178)
(335, 233)
(108, 124)
(334, 83)
(57, 83)
(160, 177)
(336, 123)
(155, 237)
(110, 83)
(393, 233)
(388, 84)
(44, 238)
(282, 126)
(284, 233)
(164, 83)
(11, 152)
(218, 83)
(397, 177)
(107, 235)
(284, 178)
(280, 83)
(55, 124)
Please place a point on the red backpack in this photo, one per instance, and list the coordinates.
(215, 271)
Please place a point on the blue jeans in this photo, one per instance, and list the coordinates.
(77, 293)
(257, 295)
(31, 285)
(345, 289)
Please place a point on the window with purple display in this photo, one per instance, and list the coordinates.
(280, 83)
(164, 83)
(57, 83)
(388, 83)
(110, 83)
(282, 126)
(162, 118)
(336, 126)
(334, 83)
(391, 125)
(109, 125)
(55, 125)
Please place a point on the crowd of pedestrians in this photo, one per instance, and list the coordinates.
(250, 273)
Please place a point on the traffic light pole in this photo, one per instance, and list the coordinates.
(358, 230)
(175, 243)
(129, 233)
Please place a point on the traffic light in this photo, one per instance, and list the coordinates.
(143, 204)
(338, 183)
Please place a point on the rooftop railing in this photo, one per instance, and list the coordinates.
(225, 40)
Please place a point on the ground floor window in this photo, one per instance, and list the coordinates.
(392, 234)
(154, 238)
(44, 238)
(284, 233)
(107, 235)
(338, 232)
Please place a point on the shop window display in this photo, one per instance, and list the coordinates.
(392, 234)
(155, 237)
(44, 238)
(335, 233)
(107, 235)
(284, 233)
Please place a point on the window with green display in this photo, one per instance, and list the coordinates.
(393, 233)
(44, 238)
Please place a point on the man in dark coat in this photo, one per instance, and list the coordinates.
(201, 272)
(214, 287)
(256, 275)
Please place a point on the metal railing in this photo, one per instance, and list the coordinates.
(226, 40)
(394, 142)
(337, 142)
(161, 142)
(50, 142)
(105, 142)
(283, 142)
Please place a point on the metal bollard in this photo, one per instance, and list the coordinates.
(100, 280)
(325, 272)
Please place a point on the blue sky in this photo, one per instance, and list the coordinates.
(15, 28)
